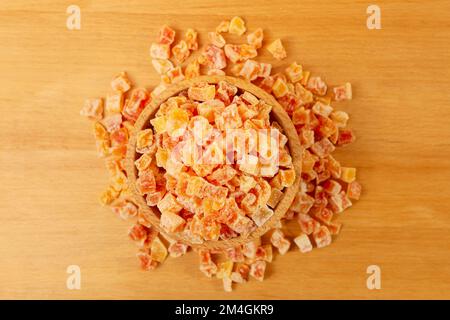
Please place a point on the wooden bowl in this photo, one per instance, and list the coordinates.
(152, 214)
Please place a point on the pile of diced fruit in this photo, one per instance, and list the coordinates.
(196, 198)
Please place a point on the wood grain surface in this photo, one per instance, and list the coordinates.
(50, 217)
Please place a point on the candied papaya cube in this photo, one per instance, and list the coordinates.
(166, 35)
(169, 204)
(143, 162)
(324, 215)
(346, 136)
(192, 70)
(249, 249)
(161, 157)
(159, 124)
(171, 222)
(249, 165)
(307, 224)
(180, 51)
(250, 70)
(354, 190)
(323, 148)
(216, 39)
(203, 93)
(303, 94)
(109, 195)
(343, 92)
(322, 237)
(227, 284)
(287, 177)
(261, 215)
(237, 26)
(275, 197)
(339, 202)
(93, 109)
(162, 66)
(145, 141)
(279, 88)
(191, 39)
(223, 26)
(303, 243)
(138, 233)
(224, 269)
(317, 86)
(114, 103)
(177, 122)
(322, 109)
(339, 118)
(121, 83)
(255, 38)
(283, 246)
(177, 249)
(332, 186)
(146, 262)
(146, 182)
(158, 251)
(277, 50)
(243, 270)
(160, 51)
(276, 237)
(348, 174)
(294, 72)
(257, 270)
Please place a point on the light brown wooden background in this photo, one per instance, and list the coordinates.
(51, 178)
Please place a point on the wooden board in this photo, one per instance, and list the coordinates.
(51, 178)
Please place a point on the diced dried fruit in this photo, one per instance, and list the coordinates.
(93, 109)
(166, 35)
(354, 190)
(343, 92)
(257, 270)
(255, 38)
(303, 243)
(191, 39)
(348, 174)
(121, 83)
(160, 51)
(276, 48)
(294, 72)
(237, 26)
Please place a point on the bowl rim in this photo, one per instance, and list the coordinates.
(152, 214)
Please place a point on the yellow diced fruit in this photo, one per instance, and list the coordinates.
(339, 118)
(143, 162)
(114, 103)
(177, 121)
(192, 69)
(287, 177)
(158, 251)
(305, 78)
(100, 132)
(204, 93)
(237, 26)
(275, 197)
(159, 124)
(294, 72)
(348, 174)
(277, 50)
(161, 157)
(162, 66)
(121, 83)
(171, 222)
(280, 88)
(255, 38)
(224, 270)
(109, 195)
(223, 26)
